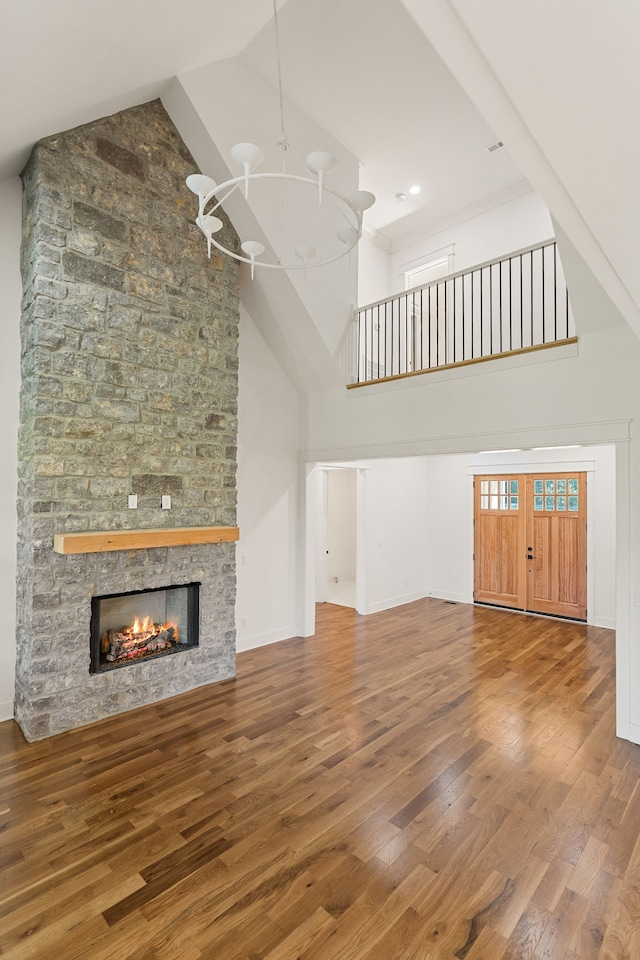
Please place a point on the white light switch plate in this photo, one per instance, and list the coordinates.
(166, 502)
(133, 501)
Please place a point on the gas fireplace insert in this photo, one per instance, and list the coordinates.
(143, 624)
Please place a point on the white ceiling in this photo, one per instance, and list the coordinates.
(362, 70)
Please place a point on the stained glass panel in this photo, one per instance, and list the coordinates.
(537, 487)
(573, 487)
(537, 502)
(549, 503)
(561, 486)
(561, 502)
(573, 504)
(549, 486)
(514, 486)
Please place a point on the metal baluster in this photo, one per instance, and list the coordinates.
(501, 306)
(521, 320)
(555, 294)
(406, 336)
(472, 318)
(429, 323)
(531, 296)
(491, 309)
(446, 325)
(511, 322)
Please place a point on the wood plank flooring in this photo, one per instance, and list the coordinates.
(435, 781)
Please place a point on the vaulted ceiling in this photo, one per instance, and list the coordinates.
(362, 71)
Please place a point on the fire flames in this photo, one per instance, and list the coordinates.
(142, 638)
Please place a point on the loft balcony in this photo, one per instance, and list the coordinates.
(498, 309)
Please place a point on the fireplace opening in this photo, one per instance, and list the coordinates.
(143, 624)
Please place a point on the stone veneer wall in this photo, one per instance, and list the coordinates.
(129, 385)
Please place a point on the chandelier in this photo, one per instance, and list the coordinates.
(292, 250)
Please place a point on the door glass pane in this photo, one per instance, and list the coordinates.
(561, 486)
(504, 503)
(493, 486)
(549, 486)
(573, 504)
(537, 487)
(573, 487)
(484, 502)
(494, 501)
(561, 502)
(537, 502)
(513, 486)
(503, 486)
(549, 502)
(484, 486)
(514, 503)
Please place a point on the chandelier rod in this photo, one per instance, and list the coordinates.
(284, 143)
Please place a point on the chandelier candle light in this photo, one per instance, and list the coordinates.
(319, 163)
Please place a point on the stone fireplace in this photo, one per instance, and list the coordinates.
(129, 386)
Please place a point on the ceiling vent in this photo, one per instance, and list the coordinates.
(494, 146)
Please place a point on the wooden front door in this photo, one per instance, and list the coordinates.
(500, 570)
(530, 542)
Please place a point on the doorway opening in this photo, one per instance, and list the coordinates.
(338, 559)
(530, 542)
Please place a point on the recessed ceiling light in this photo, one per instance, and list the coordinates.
(401, 197)
(415, 189)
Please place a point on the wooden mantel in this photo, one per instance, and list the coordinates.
(101, 541)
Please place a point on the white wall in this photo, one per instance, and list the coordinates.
(268, 442)
(395, 525)
(449, 533)
(10, 294)
(341, 524)
(374, 265)
(510, 226)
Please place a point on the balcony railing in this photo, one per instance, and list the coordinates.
(502, 307)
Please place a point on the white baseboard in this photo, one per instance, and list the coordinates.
(264, 639)
(628, 730)
(394, 602)
(6, 710)
(447, 595)
(608, 622)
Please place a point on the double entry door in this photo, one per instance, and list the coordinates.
(530, 542)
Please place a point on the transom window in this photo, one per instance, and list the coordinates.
(556, 496)
(499, 494)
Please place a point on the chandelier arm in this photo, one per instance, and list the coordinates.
(236, 181)
(283, 266)
(213, 193)
(233, 185)
(340, 208)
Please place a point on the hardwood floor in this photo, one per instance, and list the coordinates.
(436, 781)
